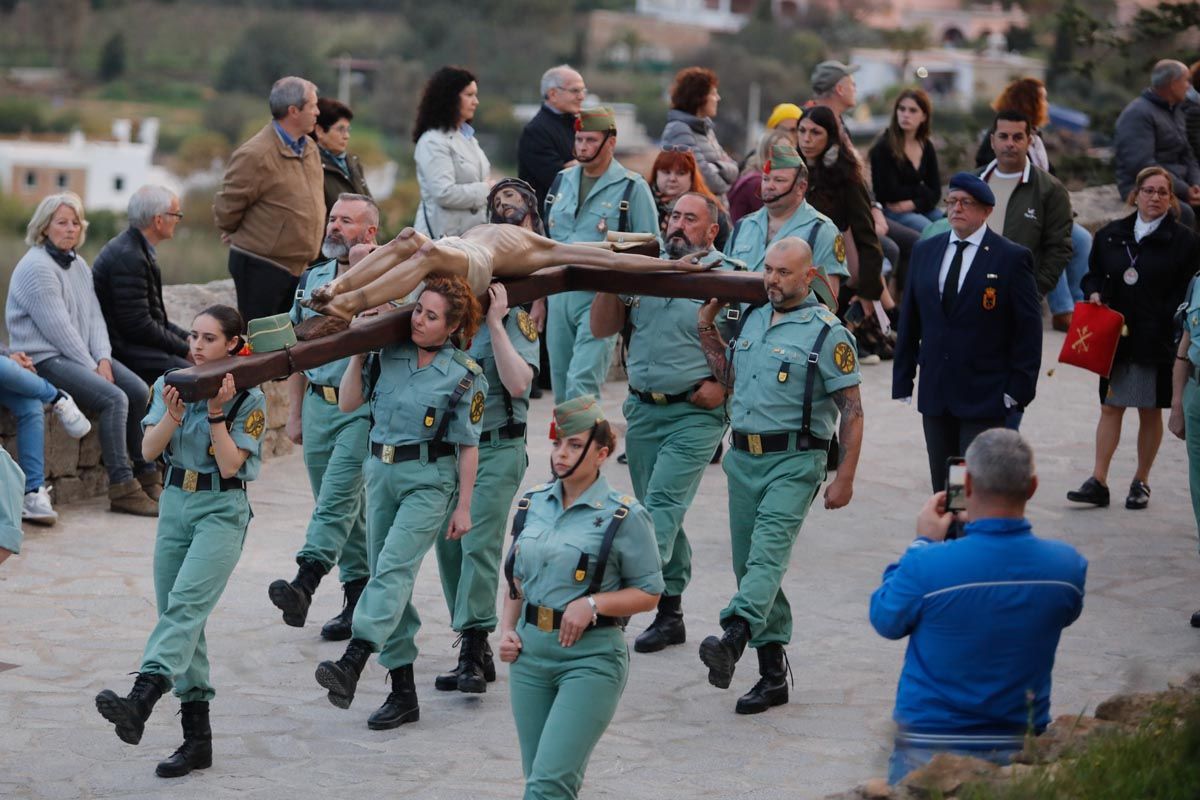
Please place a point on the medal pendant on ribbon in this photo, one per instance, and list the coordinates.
(1130, 276)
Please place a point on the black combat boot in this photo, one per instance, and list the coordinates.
(341, 677)
(720, 655)
(196, 750)
(474, 662)
(129, 714)
(400, 707)
(771, 689)
(666, 629)
(338, 628)
(448, 681)
(294, 598)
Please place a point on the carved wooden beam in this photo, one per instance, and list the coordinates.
(202, 382)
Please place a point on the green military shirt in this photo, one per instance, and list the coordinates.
(552, 545)
(600, 210)
(12, 489)
(191, 443)
(770, 364)
(748, 242)
(327, 374)
(523, 333)
(1191, 320)
(664, 351)
(408, 402)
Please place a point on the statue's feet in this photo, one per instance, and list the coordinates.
(343, 306)
(319, 327)
(322, 294)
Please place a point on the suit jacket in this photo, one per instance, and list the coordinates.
(988, 346)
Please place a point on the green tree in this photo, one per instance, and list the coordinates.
(112, 58)
(269, 50)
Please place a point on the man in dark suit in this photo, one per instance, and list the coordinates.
(972, 319)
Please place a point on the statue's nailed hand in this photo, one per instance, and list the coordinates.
(692, 262)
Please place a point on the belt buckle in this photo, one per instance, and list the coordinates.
(545, 619)
(659, 398)
(388, 455)
(330, 395)
(754, 440)
(190, 480)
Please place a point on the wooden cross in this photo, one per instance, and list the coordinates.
(202, 382)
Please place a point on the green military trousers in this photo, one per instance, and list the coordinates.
(668, 447)
(578, 361)
(334, 446)
(470, 566)
(199, 542)
(563, 699)
(1191, 422)
(769, 496)
(406, 503)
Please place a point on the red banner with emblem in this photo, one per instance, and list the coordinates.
(1092, 339)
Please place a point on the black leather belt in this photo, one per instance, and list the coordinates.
(504, 432)
(547, 619)
(395, 453)
(660, 399)
(759, 443)
(327, 393)
(192, 481)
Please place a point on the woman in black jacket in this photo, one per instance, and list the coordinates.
(904, 165)
(1139, 266)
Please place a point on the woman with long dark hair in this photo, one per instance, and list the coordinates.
(212, 450)
(452, 169)
(904, 165)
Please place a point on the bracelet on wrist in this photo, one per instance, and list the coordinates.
(178, 420)
(595, 612)
(216, 420)
(706, 328)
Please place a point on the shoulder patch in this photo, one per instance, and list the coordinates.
(477, 408)
(526, 325)
(839, 247)
(255, 423)
(470, 364)
(843, 358)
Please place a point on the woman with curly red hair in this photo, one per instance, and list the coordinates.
(694, 100)
(675, 172)
(427, 400)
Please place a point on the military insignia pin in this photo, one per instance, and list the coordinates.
(255, 423)
(989, 298)
(843, 358)
(476, 408)
(839, 247)
(526, 325)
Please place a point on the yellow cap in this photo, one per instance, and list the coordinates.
(784, 111)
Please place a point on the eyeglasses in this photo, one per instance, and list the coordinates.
(965, 202)
(175, 214)
(1150, 191)
(579, 91)
(340, 129)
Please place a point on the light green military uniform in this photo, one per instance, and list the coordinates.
(470, 566)
(12, 490)
(335, 446)
(770, 494)
(407, 500)
(669, 441)
(749, 244)
(564, 697)
(578, 360)
(1191, 393)
(200, 537)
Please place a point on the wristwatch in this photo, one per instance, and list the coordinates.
(595, 612)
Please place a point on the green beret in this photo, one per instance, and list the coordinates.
(783, 156)
(576, 415)
(599, 119)
(270, 333)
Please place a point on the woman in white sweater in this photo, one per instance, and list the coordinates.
(452, 169)
(54, 317)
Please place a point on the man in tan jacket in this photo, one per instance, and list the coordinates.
(271, 206)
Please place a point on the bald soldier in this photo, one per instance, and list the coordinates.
(793, 369)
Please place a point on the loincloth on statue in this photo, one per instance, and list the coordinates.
(479, 262)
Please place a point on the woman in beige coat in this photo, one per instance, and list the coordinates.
(452, 169)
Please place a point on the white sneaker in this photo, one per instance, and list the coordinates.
(36, 507)
(73, 421)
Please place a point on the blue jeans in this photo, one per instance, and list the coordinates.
(25, 395)
(914, 219)
(1066, 294)
(120, 405)
(906, 758)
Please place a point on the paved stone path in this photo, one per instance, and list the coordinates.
(78, 604)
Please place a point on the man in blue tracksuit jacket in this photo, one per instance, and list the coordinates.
(983, 614)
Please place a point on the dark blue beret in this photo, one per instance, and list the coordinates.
(974, 186)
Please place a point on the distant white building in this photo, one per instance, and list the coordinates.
(953, 78)
(103, 172)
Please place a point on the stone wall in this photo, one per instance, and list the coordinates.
(73, 466)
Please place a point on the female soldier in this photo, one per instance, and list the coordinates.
(211, 449)
(583, 558)
(427, 400)
(507, 349)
